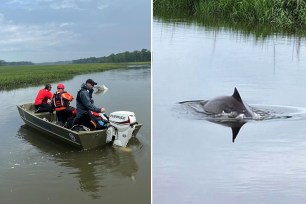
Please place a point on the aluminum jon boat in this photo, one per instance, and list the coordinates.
(122, 127)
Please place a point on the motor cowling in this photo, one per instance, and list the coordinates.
(121, 127)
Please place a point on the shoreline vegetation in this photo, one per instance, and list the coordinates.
(280, 14)
(143, 55)
(13, 77)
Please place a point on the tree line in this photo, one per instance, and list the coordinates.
(136, 56)
(143, 55)
(4, 63)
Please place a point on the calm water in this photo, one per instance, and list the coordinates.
(194, 160)
(35, 169)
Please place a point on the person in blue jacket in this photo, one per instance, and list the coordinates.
(85, 104)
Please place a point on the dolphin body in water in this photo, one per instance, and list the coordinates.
(231, 109)
(232, 105)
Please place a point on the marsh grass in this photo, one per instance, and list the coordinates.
(23, 76)
(171, 5)
(277, 13)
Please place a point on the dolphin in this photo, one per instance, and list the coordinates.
(233, 105)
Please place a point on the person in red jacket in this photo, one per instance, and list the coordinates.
(41, 101)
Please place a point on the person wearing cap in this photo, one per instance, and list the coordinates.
(85, 104)
(41, 101)
(61, 103)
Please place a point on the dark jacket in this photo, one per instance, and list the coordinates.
(84, 102)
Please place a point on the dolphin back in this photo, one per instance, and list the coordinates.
(228, 104)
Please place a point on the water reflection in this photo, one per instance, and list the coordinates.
(91, 168)
(194, 110)
(261, 34)
(234, 125)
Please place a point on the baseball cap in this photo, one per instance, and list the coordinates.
(90, 81)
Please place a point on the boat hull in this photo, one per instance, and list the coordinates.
(46, 123)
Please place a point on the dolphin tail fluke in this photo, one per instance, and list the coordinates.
(236, 95)
(235, 131)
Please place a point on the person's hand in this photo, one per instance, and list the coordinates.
(103, 110)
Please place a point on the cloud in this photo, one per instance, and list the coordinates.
(1, 17)
(9, 49)
(102, 6)
(34, 37)
(24, 4)
(52, 30)
(65, 4)
(57, 4)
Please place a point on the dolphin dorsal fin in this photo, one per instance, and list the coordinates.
(236, 95)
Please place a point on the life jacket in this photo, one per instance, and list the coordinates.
(61, 100)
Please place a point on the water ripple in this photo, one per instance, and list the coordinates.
(263, 112)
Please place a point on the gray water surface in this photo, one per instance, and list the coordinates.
(194, 160)
(35, 169)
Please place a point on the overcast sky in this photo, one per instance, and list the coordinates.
(56, 30)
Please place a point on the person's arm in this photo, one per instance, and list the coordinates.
(49, 95)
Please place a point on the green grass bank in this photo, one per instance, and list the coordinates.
(13, 77)
(277, 13)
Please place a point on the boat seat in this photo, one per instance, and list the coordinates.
(47, 115)
(41, 113)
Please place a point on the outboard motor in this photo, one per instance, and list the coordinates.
(122, 124)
